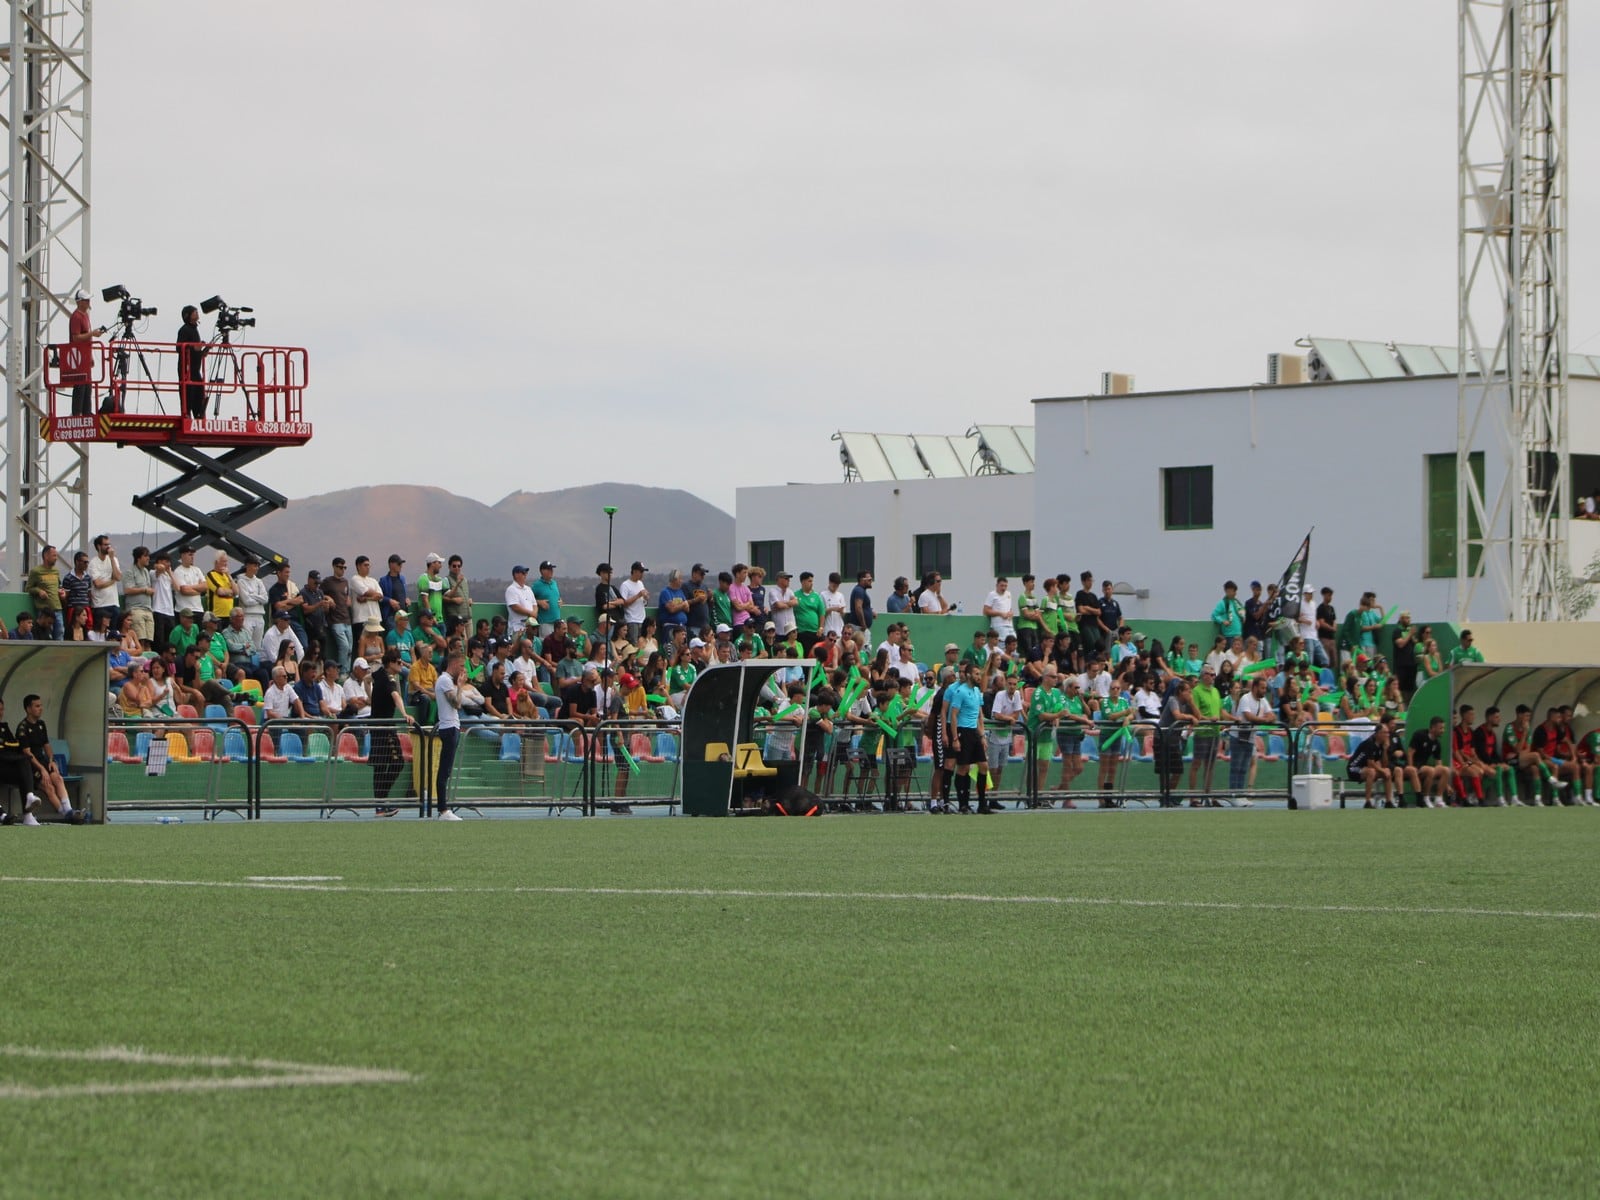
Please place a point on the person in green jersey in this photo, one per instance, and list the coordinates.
(809, 612)
(1207, 701)
(1030, 616)
(1076, 720)
(1116, 739)
(1041, 719)
(1466, 652)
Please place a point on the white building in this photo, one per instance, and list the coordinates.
(1171, 493)
(912, 503)
(1175, 492)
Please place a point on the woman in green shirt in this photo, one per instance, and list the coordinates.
(1431, 662)
(1116, 739)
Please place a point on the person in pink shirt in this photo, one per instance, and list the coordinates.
(744, 606)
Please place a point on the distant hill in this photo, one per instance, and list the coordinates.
(664, 527)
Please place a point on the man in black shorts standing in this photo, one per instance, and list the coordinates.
(963, 706)
(387, 707)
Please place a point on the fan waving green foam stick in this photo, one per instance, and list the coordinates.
(1265, 664)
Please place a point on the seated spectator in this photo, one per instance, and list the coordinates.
(401, 638)
(279, 701)
(421, 676)
(308, 688)
(358, 691)
(281, 635)
(240, 641)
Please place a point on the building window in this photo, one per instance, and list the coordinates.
(933, 554)
(1585, 480)
(855, 556)
(1012, 550)
(1441, 484)
(768, 556)
(1186, 496)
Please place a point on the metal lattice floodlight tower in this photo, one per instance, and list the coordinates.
(45, 195)
(1512, 510)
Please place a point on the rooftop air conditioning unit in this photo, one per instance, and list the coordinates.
(1286, 368)
(1114, 384)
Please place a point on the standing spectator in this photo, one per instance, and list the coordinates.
(810, 613)
(337, 590)
(431, 586)
(366, 596)
(1030, 617)
(1405, 655)
(722, 602)
(740, 598)
(1252, 712)
(634, 593)
(1207, 704)
(547, 599)
(138, 591)
(163, 605)
(608, 602)
(758, 596)
(252, 597)
(1086, 606)
(699, 602)
(1228, 615)
(284, 593)
(220, 591)
(1110, 616)
(314, 609)
(833, 599)
(44, 587)
(861, 606)
(188, 585)
(1305, 624)
(393, 589)
(1000, 607)
(457, 598)
(672, 607)
(105, 572)
(899, 600)
(1255, 611)
(80, 593)
(781, 604)
(522, 607)
(1328, 629)
(447, 726)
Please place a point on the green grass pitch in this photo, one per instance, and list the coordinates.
(1189, 1004)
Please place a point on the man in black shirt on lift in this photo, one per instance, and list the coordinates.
(191, 363)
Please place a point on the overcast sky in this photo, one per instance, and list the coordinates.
(531, 245)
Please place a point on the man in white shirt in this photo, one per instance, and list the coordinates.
(366, 597)
(780, 603)
(834, 602)
(250, 595)
(633, 593)
(522, 610)
(280, 633)
(104, 575)
(1000, 608)
(279, 699)
(358, 691)
(1005, 720)
(1305, 625)
(188, 584)
(1254, 711)
(162, 604)
(331, 691)
(447, 725)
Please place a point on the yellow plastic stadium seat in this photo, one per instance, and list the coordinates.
(178, 749)
(716, 751)
(748, 761)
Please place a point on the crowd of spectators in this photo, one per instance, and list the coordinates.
(1054, 660)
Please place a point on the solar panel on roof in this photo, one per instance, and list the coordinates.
(943, 459)
(901, 451)
(1340, 359)
(1025, 436)
(866, 456)
(1450, 356)
(1007, 448)
(1380, 364)
(1422, 360)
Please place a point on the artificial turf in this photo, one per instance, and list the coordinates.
(626, 1044)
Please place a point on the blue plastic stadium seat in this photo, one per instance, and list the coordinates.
(667, 747)
(510, 748)
(1325, 677)
(292, 748)
(236, 746)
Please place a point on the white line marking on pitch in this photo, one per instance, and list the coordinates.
(271, 1073)
(756, 894)
(295, 878)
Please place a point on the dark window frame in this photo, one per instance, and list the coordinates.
(1012, 552)
(927, 554)
(1188, 498)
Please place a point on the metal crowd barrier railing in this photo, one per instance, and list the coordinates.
(509, 764)
(180, 763)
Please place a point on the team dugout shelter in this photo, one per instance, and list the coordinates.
(723, 772)
(73, 680)
(1503, 686)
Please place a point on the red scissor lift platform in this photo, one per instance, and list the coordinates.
(253, 401)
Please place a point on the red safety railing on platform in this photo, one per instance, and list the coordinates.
(252, 383)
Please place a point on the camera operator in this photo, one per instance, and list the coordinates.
(78, 362)
(191, 363)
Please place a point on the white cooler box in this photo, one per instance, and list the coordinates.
(1313, 791)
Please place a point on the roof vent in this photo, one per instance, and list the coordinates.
(1285, 368)
(1114, 384)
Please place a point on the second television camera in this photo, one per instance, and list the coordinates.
(132, 308)
(228, 317)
